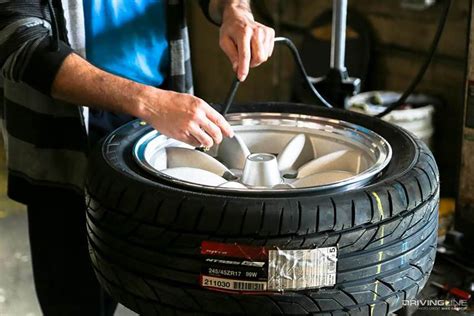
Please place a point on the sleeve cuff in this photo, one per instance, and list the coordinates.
(44, 64)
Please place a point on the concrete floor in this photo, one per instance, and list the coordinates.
(17, 293)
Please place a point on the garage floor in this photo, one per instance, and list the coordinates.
(17, 293)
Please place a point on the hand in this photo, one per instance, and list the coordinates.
(245, 42)
(183, 117)
(177, 115)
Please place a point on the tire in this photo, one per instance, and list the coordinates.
(146, 234)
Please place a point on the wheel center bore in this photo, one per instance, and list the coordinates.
(261, 170)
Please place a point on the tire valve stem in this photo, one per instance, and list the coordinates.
(204, 149)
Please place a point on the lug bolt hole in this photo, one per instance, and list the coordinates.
(289, 176)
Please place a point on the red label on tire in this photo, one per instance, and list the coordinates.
(218, 249)
(234, 267)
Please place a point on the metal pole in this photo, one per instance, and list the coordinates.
(338, 42)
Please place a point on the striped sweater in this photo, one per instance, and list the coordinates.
(46, 139)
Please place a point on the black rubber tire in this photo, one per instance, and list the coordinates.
(145, 233)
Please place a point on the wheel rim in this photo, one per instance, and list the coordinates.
(271, 151)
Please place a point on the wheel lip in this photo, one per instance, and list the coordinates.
(344, 128)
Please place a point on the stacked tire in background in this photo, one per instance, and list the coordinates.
(146, 233)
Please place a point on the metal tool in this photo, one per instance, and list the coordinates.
(337, 85)
(230, 96)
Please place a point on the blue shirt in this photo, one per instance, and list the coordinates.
(128, 38)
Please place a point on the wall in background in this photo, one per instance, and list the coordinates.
(465, 206)
(402, 37)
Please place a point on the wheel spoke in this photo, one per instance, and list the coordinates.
(233, 152)
(195, 175)
(322, 178)
(233, 185)
(298, 151)
(344, 160)
(183, 157)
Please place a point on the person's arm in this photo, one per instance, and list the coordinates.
(246, 42)
(26, 55)
(26, 52)
(177, 115)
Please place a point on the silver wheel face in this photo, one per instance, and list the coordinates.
(271, 152)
